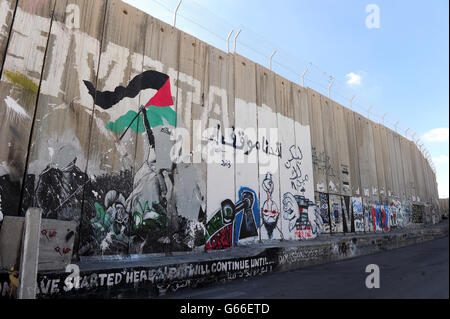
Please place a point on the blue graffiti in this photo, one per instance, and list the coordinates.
(247, 220)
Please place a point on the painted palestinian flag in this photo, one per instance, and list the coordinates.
(158, 107)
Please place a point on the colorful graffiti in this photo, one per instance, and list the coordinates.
(380, 217)
(369, 216)
(9, 284)
(296, 211)
(75, 103)
(234, 222)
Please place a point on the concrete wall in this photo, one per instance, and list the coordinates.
(228, 153)
(443, 204)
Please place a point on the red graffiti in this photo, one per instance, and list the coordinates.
(303, 232)
(223, 239)
(374, 220)
(384, 218)
(49, 233)
(65, 251)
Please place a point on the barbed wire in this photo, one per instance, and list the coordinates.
(315, 77)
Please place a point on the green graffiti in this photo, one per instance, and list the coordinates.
(214, 224)
(102, 219)
(155, 224)
(138, 216)
(22, 81)
(122, 123)
(157, 116)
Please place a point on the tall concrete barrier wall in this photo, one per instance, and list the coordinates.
(152, 141)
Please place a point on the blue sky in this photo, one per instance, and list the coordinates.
(400, 68)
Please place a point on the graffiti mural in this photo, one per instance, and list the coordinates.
(406, 213)
(395, 217)
(369, 216)
(234, 222)
(336, 214)
(145, 219)
(300, 218)
(87, 125)
(296, 210)
(385, 210)
(269, 210)
(380, 217)
(322, 203)
(358, 214)
(347, 214)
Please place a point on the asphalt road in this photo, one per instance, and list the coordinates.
(419, 271)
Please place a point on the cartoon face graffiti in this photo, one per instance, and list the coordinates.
(269, 210)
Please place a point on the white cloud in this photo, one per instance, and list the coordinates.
(437, 135)
(354, 79)
(441, 159)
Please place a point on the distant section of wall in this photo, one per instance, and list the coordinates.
(154, 142)
(443, 204)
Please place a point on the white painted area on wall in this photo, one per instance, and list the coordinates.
(28, 38)
(269, 171)
(287, 140)
(246, 166)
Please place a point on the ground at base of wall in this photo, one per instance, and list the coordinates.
(153, 276)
